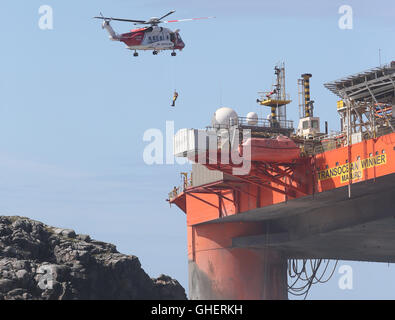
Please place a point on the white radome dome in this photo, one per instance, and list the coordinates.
(224, 117)
(252, 119)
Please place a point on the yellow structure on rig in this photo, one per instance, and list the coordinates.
(277, 99)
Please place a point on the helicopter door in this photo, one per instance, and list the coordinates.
(172, 37)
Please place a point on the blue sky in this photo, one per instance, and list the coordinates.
(74, 107)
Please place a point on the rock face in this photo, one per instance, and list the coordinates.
(39, 262)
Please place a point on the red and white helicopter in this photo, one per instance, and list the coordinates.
(153, 38)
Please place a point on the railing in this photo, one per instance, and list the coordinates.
(265, 123)
(176, 191)
(259, 123)
(332, 135)
(180, 189)
(266, 95)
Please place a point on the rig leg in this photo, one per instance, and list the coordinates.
(217, 270)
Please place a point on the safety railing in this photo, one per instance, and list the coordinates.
(266, 95)
(266, 123)
(177, 190)
(332, 135)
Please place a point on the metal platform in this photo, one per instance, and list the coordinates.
(274, 102)
(329, 225)
(377, 82)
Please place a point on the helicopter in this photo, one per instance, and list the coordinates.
(150, 37)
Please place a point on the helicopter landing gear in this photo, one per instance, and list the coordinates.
(154, 52)
(135, 54)
(173, 54)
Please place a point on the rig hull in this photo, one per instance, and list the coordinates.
(221, 269)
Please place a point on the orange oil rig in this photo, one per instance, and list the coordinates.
(262, 193)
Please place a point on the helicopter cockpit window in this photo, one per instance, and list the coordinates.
(172, 37)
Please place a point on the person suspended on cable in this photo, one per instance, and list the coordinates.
(175, 96)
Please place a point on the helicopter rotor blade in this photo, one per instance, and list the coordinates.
(167, 14)
(118, 19)
(155, 21)
(191, 19)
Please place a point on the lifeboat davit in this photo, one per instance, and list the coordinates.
(280, 149)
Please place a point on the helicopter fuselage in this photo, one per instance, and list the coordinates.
(152, 38)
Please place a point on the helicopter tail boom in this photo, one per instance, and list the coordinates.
(113, 35)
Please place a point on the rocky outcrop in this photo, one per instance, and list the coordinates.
(43, 263)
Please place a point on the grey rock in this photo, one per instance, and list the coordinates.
(22, 275)
(68, 233)
(39, 262)
(84, 237)
(16, 292)
(19, 264)
(22, 224)
(6, 285)
(168, 288)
